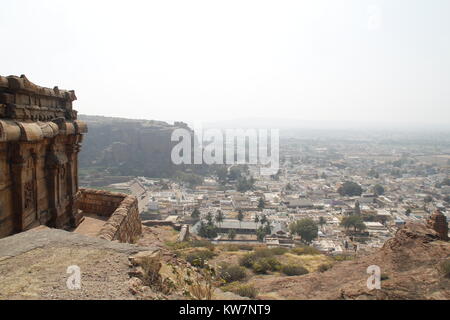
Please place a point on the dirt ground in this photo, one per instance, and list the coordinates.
(33, 265)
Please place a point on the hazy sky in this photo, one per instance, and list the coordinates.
(337, 60)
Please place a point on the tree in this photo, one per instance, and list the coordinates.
(209, 218)
(373, 174)
(355, 222)
(447, 199)
(263, 219)
(261, 204)
(322, 221)
(306, 228)
(222, 174)
(207, 230)
(244, 184)
(234, 173)
(240, 217)
(267, 228)
(357, 209)
(378, 189)
(232, 234)
(350, 189)
(195, 214)
(219, 217)
(260, 234)
(256, 220)
(428, 199)
(191, 179)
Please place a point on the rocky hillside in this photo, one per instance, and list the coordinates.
(33, 265)
(410, 269)
(128, 147)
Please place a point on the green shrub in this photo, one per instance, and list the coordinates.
(305, 250)
(246, 247)
(343, 257)
(324, 267)
(247, 260)
(384, 277)
(199, 257)
(178, 245)
(263, 253)
(202, 244)
(279, 251)
(244, 290)
(264, 265)
(232, 273)
(445, 268)
(231, 247)
(293, 270)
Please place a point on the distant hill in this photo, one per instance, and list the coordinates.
(128, 147)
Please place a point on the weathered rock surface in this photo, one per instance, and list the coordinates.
(33, 265)
(409, 264)
(129, 147)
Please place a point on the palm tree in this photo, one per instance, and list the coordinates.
(240, 217)
(219, 217)
(209, 217)
(322, 221)
(268, 228)
(261, 204)
(232, 234)
(256, 220)
(195, 214)
(263, 219)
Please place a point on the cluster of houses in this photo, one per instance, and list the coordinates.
(304, 188)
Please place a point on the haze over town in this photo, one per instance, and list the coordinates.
(232, 150)
(341, 63)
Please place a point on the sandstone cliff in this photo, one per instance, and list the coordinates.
(129, 147)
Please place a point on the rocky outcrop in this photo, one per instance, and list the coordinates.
(438, 222)
(129, 147)
(409, 264)
(33, 265)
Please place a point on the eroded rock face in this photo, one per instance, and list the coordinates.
(409, 264)
(438, 222)
(412, 235)
(130, 147)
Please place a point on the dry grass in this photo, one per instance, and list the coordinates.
(310, 262)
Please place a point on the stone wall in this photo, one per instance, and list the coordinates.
(184, 233)
(162, 223)
(124, 223)
(99, 202)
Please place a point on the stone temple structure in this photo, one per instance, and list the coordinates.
(40, 140)
(438, 222)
